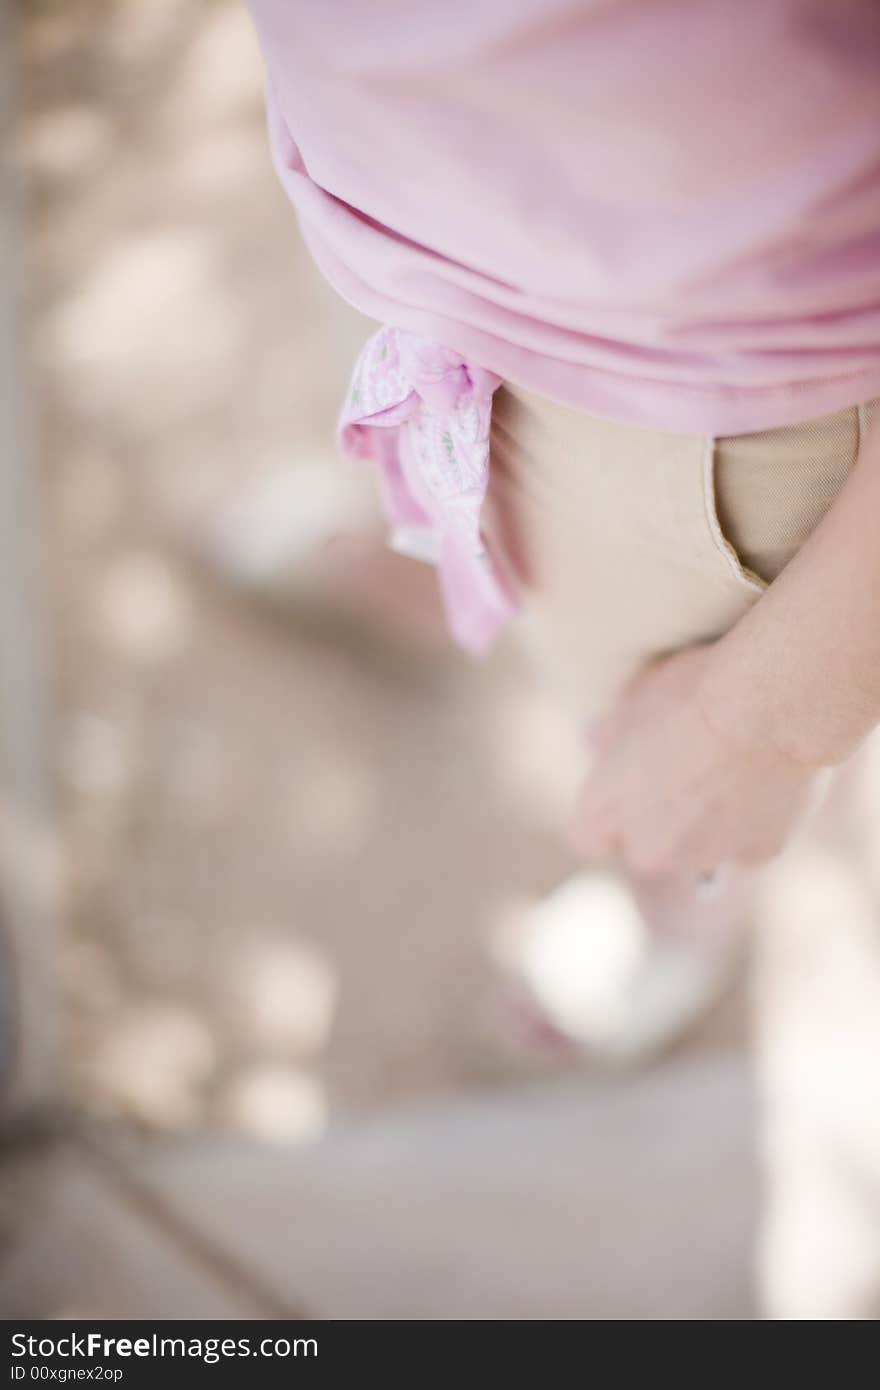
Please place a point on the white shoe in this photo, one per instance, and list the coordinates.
(600, 978)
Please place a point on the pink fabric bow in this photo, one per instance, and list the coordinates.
(423, 415)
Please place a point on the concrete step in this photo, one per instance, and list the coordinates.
(622, 1199)
(73, 1246)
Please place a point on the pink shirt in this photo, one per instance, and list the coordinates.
(666, 212)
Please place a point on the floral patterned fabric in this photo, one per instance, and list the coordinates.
(423, 415)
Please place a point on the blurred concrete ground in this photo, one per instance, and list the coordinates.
(564, 1201)
(287, 850)
(257, 817)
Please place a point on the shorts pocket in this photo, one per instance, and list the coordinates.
(767, 492)
(727, 552)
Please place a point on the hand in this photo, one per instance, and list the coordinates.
(668, 792)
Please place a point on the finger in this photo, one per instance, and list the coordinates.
(659, 846)
(599, 734)
(593, 841)
(593, 832)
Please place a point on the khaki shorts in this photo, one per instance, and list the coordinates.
(628, 543)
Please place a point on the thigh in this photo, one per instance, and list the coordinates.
(612, 533)
(629, 543)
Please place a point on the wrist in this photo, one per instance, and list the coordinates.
(754, 704)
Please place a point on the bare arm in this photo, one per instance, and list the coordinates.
(712, 753)
(801, 671)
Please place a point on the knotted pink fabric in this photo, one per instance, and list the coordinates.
(423, 415)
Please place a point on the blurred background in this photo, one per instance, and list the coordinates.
(268, 843)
